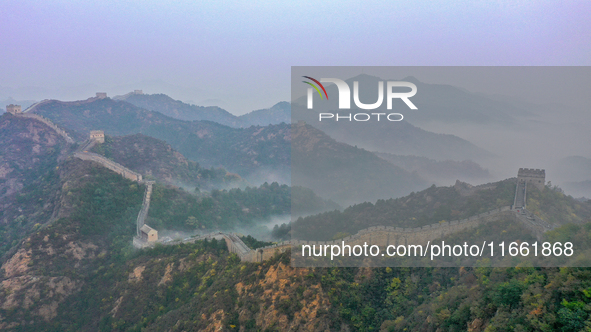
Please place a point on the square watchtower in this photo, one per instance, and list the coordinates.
(97, 135)
(13, 109)
(536, 177)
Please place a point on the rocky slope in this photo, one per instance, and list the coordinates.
(29, 154)
(54, 262)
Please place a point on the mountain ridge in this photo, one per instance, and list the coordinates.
(240, 150)
(278, 113)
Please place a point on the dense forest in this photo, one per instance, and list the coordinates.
(175, 209)
(437, 204)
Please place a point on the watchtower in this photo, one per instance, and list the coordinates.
(148, 234)
(101, 95)
(13, 109)
(98, 136)
(536, 177)
(138, 92)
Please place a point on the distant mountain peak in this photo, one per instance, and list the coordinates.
(162, 103)
(412, 79)
(281, 104)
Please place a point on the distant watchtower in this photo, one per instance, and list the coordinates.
(98, 136)
(148, 234)
(138, 92)
(536, 177)
(101, 95)
(13, 109)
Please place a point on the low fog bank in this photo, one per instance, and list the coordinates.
(261, 230)
(440, 173)
(544, 141)
(269, 175)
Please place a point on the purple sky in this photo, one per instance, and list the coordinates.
(238, 54)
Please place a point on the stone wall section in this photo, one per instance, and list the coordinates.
(141, 218)
(115, 167)
(379, 235)
(50, 124)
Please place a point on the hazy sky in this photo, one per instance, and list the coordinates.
(238, 54)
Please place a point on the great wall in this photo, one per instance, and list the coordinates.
(377, 235)
(50, 124)
(381, 235)
(141, 217)
(115, 167)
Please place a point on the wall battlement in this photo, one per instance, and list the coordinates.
(141, 218)
(50, 124)
(115, 167)
(59, 102)
(32, 107)
(98, 136)
(16, 110)
(531, 172)
(466, 189)
(536, 177)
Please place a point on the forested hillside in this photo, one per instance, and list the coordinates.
(29, 154)
(68, 262)
(438, 204)
(81, 273)
(158, 160)
(179, 110)
(244, 151)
